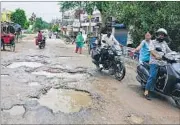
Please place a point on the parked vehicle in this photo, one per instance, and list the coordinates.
(7, 36)
(168, 79)
(8, 40)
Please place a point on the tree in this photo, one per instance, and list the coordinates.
(55, 28)
(40, 24)
(142, 16)
(32, 18)
(26, 25)
(19, 17)
(149, 16)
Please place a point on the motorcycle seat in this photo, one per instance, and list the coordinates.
(146, 65)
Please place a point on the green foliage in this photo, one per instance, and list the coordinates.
(142, 16)
(19, 17)
(55, 28)
(26, 25)
(40, 24)
(149, 16)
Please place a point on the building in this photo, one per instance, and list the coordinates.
(89, 23)
(67, 22)
(6, 15)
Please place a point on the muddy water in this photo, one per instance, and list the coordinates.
(60, 75)
(27, 64)
(16, 110)
(64, 100)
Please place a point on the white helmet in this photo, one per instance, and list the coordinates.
(162, 30)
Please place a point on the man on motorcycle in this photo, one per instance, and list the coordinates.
(155, 58)
(111, 41)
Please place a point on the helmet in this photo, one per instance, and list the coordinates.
(162, 30)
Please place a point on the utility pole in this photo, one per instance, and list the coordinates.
(80, 14)
(62, 16)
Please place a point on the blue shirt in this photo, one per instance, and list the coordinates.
(92, 41)
(144, 52)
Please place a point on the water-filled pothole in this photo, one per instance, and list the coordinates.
(61, 75)
(16, 110)
(27, 64)
(66, 100)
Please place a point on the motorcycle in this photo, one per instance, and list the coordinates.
(168, 77)
(42, 43)
(111, 59)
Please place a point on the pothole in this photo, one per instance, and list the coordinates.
(66, 100)
(62, 75)
(27, 64)
(33, 84)
(16, 110)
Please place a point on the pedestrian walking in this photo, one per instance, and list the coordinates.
(79, 43)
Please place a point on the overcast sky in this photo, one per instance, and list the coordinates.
(46, 10)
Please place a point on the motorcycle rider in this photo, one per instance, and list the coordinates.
(155, 58)
(111, 41)
(39, 38)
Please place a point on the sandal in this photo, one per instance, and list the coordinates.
(147, 97)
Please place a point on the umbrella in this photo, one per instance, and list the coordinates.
(17, 27)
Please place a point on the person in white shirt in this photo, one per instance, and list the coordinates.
(111, 41)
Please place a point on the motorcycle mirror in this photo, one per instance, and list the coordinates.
(159, 49)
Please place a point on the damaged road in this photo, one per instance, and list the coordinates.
(57, 86)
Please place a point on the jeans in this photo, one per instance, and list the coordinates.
(152, 77)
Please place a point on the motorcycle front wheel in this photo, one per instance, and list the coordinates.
(120, 71)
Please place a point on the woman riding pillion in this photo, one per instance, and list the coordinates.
(144, 49)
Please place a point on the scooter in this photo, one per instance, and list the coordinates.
(168, 78)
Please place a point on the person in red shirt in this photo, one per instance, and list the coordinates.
(39, 38)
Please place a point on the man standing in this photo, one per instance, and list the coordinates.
(155, 58)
